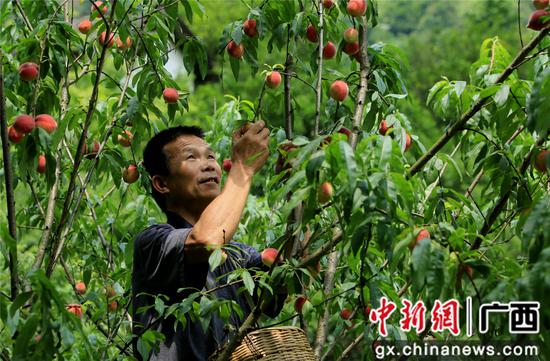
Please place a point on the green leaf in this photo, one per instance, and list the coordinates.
(502, 95)
(385, 153)
(420, 263)
(215, 259)
(538, 103)
(248, 282)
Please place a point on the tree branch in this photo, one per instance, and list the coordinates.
(8, 178)
(318, 86)
(459, 124)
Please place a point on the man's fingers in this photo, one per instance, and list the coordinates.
(257, 127)
(264, 133)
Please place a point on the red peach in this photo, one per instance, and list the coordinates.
(311, 34)
(130, 174)
(170, 95)
(103, 36)
(234, 50)
(328, 4)
(325, 192)
(299, 303)
(28, 71)
(329, 51)
(356, 7)
(249, 28)
(226, 165)
(540, 161)
(345, 131)
(46, 122)
(125, 139)
(345, 314)
(112, 306)
(540, 4)
(536, 22)
(269, 255)
(124, 45)
(75, 309)
(24, 124)
(273, 79)
(351, 35)
(41, 167)
(383, 128)
(85, 26)
(80, 287)
(94, 11)
(351, 48)
(407, 142)
(14, 136)
(338, 90)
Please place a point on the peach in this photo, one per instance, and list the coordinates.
(234, 50)
(351, 48)
(85, 26)
(408, 142)
(299, 303)
(535, 21)
(540, 161)
(124, 45)
(345, 313)
(41, 167)
(383, 128)
(46, 122)
(311, 34)
(328, 4)
(540, 4)
(28, 71)
(130, 174)
(125, 139)
(24, 124)
(170, 95)
(356, 7)
(103, 36)
(75, 309)
(338, 90)
(351, 35)
(273, 79)
(329, 51)
(14, 136)
(269, 255)
(80, 287)
(249, 28)
(325, 192)
(94, 11)
(226, 165)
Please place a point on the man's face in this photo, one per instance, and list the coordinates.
(195, 174)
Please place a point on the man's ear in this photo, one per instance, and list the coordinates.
(159, 184)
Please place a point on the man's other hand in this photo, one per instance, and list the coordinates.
(250, 147)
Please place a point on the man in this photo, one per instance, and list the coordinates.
(185, 179)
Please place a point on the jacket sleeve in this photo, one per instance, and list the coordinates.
(159, 256)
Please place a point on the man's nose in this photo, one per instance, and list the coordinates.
(208, 165)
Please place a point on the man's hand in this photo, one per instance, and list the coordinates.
(250, 147)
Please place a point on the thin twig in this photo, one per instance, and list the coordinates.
(319, 71)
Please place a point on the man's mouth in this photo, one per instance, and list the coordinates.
(212, 179)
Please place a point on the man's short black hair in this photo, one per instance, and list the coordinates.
(154, 159)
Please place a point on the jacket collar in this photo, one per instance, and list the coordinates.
(177, 221)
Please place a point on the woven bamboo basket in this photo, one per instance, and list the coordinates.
(274, 344)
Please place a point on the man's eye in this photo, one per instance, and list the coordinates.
(190, 156)
(211, 156)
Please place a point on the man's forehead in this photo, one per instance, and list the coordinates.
(186, 142)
